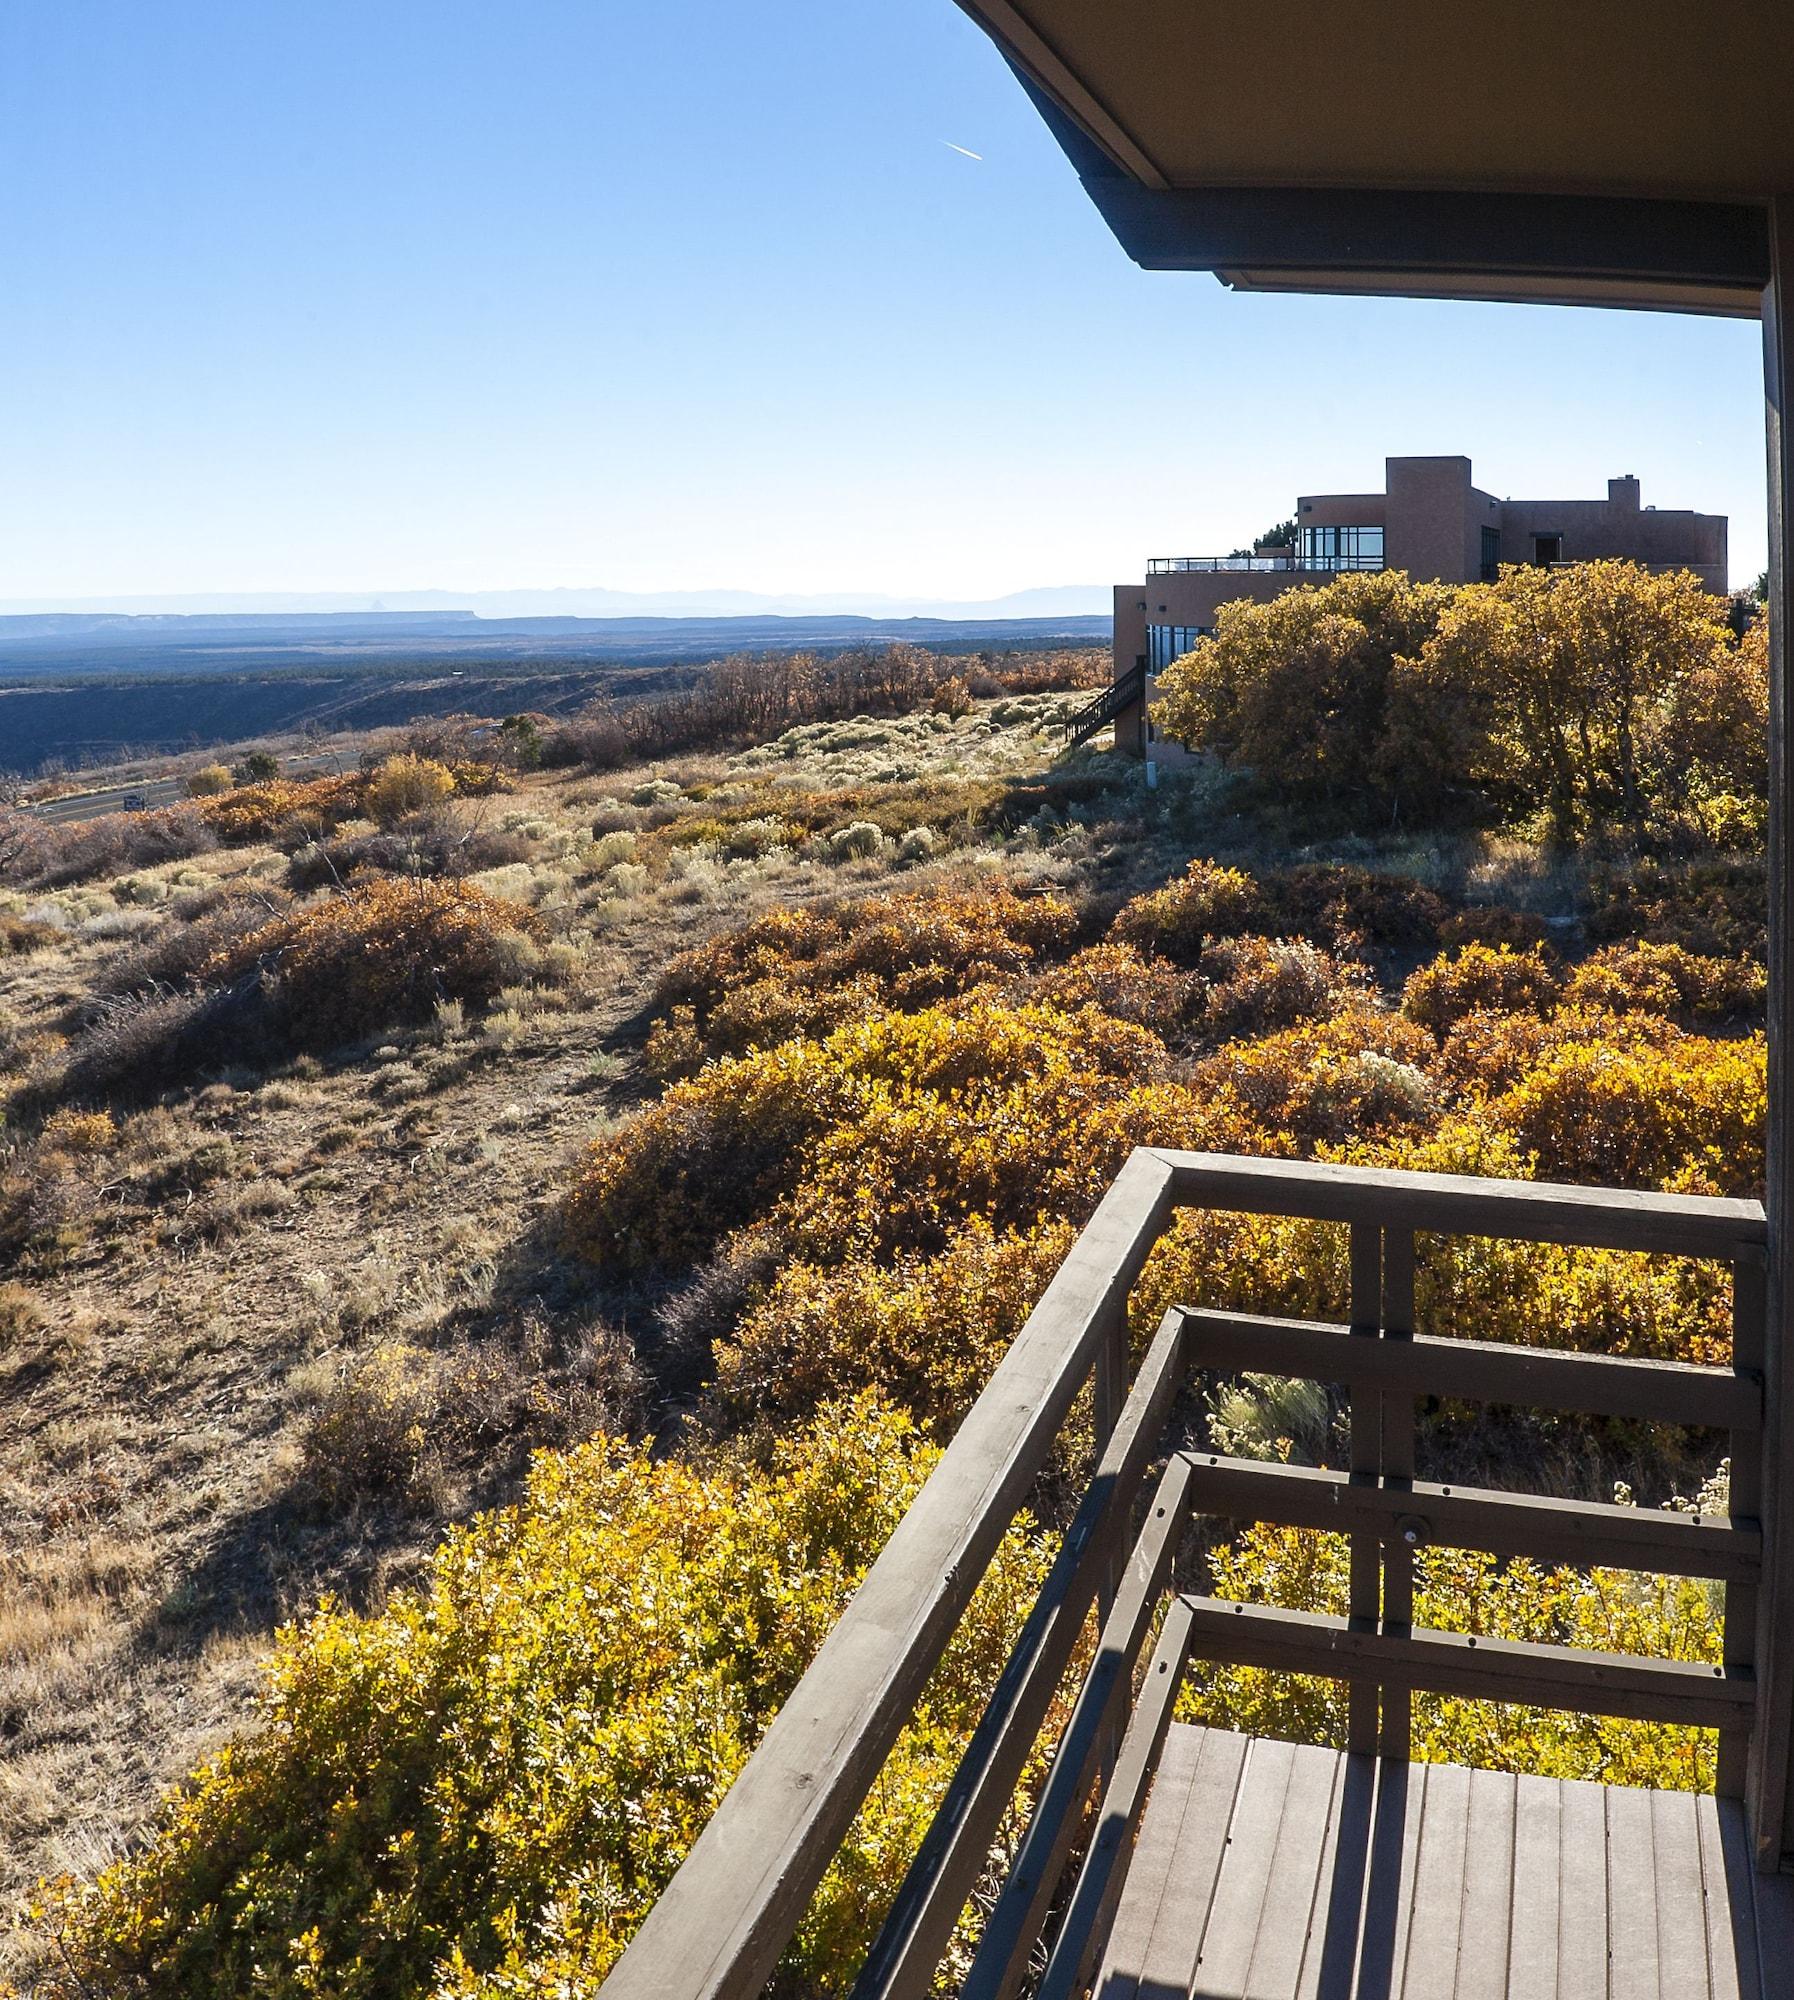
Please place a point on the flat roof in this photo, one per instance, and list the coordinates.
(1618, 152)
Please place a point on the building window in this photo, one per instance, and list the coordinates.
(1165, 643)
(1546, 550)
(1491, 554)
(1342, 548)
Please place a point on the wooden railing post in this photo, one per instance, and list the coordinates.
(1743, 1600)
(1365, 1403)
(1398, 1471)
(1109, 1386)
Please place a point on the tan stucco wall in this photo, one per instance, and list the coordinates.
(1618, 526)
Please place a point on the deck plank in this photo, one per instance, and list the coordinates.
(1581, 1892)
(1331, 1951)
(1265, 1871)
(1485, 1932)
(1430, 1970)
(1534, 1926)
(1680, 1904)
(1150, 1870)
(1731, 1931)
(1631, 1895)
(1303, 1838)
(1182, 1920)
(1238, 1908)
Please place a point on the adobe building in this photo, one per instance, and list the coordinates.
(1429, 520)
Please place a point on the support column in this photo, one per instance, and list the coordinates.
(1769, 1785)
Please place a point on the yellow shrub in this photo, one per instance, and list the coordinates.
(1464, 1591)
(887, 1133)
(1486, 1052)
(386, 951)
(1666, 979)
(1330, 1081)
(80, 1132)
(1262, 984)
(805, 971)
(493, 1779)
(924, 1332)
(1692, 1111)
(1205, 903)
(1124, 983)
(1479, 978)
(208, 781)
(404, 785)
(252, 813)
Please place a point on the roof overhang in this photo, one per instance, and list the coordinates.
(1605, 154)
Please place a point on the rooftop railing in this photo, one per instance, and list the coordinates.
(721, 1925)
(1171, 565)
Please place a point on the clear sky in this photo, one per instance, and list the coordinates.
(396, 294)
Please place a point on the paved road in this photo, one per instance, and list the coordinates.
(161, 791)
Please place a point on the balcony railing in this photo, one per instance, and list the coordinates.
(719, 1929)
(1262, 565)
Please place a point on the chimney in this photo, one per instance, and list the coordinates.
(1623, 493)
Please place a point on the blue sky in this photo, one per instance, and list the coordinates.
(320, 295)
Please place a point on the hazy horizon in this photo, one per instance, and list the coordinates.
(577, 601)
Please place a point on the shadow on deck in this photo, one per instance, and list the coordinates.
(1268, 1869)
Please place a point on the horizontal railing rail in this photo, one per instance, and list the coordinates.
(721, 1925)
(1260, 565)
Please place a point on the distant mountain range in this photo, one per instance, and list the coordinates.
(1070, 600)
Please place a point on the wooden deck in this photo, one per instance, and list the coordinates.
(1264, 1871)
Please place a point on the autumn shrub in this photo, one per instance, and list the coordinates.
(1125, 984)
(1688, 1112)
(208, 781)
(1479, 977)
(404, 785)
(1296, 690)
(484, 1788)
(1258, 985)
(1486, 1051)
(291, 809)
(384, 953)
(1718, 909)
(1333, 904)
(52, 855)
(375, 1432)
(1458, 1590)
(885, 1134)
(804, 971)
(427, 843)
(1357, 1074)
(1178, 921)
(179, 952)
(83, 1133)
(924, 1332)
(20, 936)
(1666, 979)
(1334, 901)
(1551, 692)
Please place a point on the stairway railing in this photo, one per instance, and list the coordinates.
(1083, 723)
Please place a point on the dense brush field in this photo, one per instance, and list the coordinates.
(492, 1250)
